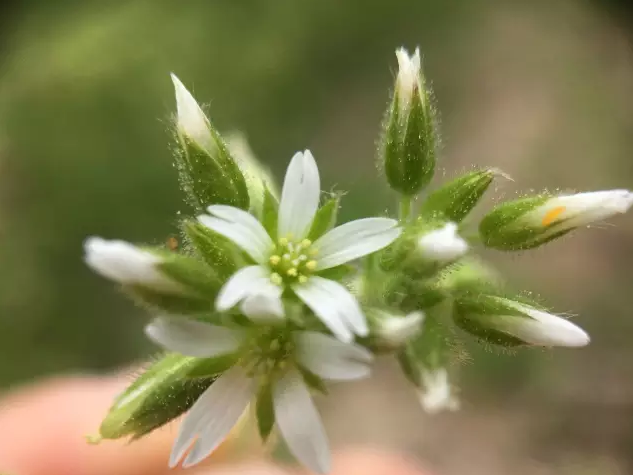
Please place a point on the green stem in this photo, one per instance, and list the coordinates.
(405, 208)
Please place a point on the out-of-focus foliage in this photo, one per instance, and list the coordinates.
(539, 89)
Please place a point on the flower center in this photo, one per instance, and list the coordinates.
(268, 353)
(292, 261)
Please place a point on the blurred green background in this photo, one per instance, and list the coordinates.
(540, 89)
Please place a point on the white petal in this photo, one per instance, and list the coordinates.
(331, 359)
(541, 328)
(355, 239)
(437, 394)
(240, 227)
(299, 422)
(212, 417)
(395, 330)
(408, 76)
(299, 197)
(442, 245)
(264, 307)
(193, 338)
(191, 120)
(581, 209)
(332, 302)
(125, 263)
(246, 281)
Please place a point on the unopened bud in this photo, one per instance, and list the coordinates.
(506, 322)
(454, 200)
(409, 136)
(208, 173)
(533, 221)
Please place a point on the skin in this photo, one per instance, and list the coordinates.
(42, 429)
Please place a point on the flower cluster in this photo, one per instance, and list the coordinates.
(267, 299)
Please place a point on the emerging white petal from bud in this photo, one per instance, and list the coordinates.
(408, 80)
(570, 211)
(395, 330)
(539, 328)
(191, 120)
(127, 264)
(437, 394)
(442, 245)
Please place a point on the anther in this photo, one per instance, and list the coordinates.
(276, 278)
(311, 265)
(306, 243)
(303, 279)
(283, 241)
(292, 272)
(274, 260)
(286, 257)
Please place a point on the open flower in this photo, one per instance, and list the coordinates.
(273, 358)
(293, 261)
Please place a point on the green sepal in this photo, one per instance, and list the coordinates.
(469, 275)
(210, 176)
(170, 303)
(409, 295)
(313, 381)
(409, 143)
(196, 277)
(456, 199)
(503, 229)
(325, 218)
(475, 314)
(217, 251)
(270, 213)
(409, 365)
(265, 411)
(163, 392)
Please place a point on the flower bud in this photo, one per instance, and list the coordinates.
(530, 222)
(208, 173)
(506, 322)
(393, 331)
(442, 245)
(163, 392)
(129, 265)
(454, 200)
(409, 141)
(161, 279)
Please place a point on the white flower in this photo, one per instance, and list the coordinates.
(395, 330)
(128, 265)
(571, 211)
(191, 121)
(408, 80)
(273, 358)
(536, 327)
(292, 261)
(437, 393)
(442, 245)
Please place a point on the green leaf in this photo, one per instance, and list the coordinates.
(325, 218)
(265, 411)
